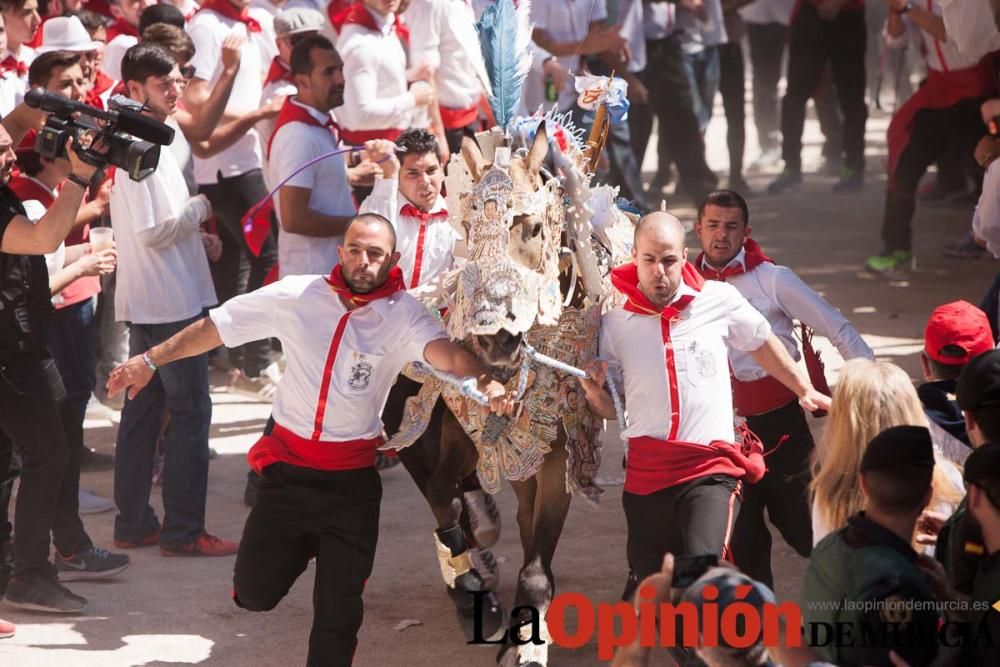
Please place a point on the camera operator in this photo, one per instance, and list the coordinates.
(164, 285)
(28, 413)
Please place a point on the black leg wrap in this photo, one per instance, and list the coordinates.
(454, 539)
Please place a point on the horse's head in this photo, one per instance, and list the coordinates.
(514, 224)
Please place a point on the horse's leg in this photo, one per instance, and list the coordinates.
(535, 581)
(467, 589)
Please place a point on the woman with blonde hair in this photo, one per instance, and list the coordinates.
(870, 397)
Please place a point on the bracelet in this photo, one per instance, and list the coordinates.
(79, 180)
(149, 362)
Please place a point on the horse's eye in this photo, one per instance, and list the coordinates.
(536, 229)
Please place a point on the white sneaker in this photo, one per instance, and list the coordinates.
(91, 503)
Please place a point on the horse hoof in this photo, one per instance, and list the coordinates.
(479, 610)
(484, 517)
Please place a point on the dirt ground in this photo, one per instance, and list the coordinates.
(177, 611)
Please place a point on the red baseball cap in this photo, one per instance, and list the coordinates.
(961, 324)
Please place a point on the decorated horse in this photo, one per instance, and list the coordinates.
(527, 300)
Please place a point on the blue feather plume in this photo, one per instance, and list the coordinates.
(505, 39)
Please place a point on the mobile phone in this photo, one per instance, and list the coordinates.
(688, 568)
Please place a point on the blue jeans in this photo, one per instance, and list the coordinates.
(702, 70)
(182, 388)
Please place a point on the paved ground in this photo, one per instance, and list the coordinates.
(176, 611)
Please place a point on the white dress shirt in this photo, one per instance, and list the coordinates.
(717, 319)
(437, 247)
(303, 313)
(294, 145)
(208, 30)
(443, 35)
(376, 94)
(971, 25)
(25, 54)
(941, 56)
(781, 297)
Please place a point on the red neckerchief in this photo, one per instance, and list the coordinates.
(293, 113)
(102, 82)
(625, 279)
(122, 27)
(12, 64)
(393, 284)
(753, 257)
(358, 14)
(277, 72)
(413, 212)
(225, 8)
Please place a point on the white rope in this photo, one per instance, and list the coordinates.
(467, 387)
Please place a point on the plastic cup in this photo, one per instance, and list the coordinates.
(101, 238)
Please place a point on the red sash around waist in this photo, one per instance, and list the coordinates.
(655, 464)
(286, 447)
(456, 119)
(359, 137)
(760, 396)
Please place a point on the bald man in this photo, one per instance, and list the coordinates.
(669, 345)
(346, 339)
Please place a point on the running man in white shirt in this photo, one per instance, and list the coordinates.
(164, 284)
(772, 411)
(684, 475)
(346, 338)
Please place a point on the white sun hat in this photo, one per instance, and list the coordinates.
(66, 33)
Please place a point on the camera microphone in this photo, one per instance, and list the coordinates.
(144, 127)
(126, 120)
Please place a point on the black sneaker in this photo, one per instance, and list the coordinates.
(43, 593)
(93, 563)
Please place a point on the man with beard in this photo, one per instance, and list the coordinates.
(346, 338)
(684, 475)
(164, 284)
(315, 205)
(772, 411)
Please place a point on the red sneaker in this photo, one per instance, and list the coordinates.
(6, 629)
(150, 540)
(206, 545)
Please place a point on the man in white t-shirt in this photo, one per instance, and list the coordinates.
(346, 338)
(684, 474)
(232, 179)
(315, 206)
(164, 284)
(123, 34)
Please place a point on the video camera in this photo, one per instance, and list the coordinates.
(132, 140)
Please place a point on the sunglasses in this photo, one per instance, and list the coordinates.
(187, 71)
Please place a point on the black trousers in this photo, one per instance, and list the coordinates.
(783, 492)
(732, 87)
(814, 43)
(935, 133)
(767, 48)
(689, 519)
(671, 102)
(238, 270)
(301, 513)
(30, 393)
